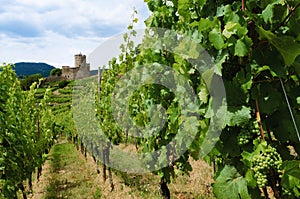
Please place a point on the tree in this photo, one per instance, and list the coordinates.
(56, 71)
(29, 80)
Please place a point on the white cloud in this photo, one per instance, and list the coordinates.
(53, 31)
(53, 48)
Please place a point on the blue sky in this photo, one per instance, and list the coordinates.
(52, 31)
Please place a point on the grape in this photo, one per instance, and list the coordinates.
(218, 160)
(244, 137)
(247, 133)
(262, 163)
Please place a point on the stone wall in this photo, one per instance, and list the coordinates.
(81, 69)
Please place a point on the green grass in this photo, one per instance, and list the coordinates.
(68, 177)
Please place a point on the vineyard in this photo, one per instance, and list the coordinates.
(213, 81)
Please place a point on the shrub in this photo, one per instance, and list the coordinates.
(56, 71)
(27, 82)
(63, 83)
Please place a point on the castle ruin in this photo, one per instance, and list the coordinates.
(81, 69)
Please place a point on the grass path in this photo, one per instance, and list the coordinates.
(67, 174)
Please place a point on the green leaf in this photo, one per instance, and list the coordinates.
(238, 117)
(135, 20)
(216, 38)
(298, 100)
(232, 28)
(269, 55)
(264, 68)
(286, 45)
(247, 158)
(292, 168)
(240, 49)
(291, 177)
(230, 184)
(234, 89)
(207, 77)
(203, 94)
(288, 48)
(267, 13)
(206, 24)
(282, 125)
(219, 62)
(274, 11)
(188, 48)
(269, 98)
(251, 181)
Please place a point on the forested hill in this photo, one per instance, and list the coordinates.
(29, 68)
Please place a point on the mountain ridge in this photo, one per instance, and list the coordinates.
(24, 69)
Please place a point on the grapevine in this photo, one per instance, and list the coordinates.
(25, 133)
(254, 46)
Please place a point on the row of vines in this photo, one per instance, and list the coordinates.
(255, 48)
(26, 134)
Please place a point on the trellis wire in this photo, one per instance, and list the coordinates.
(290, 109)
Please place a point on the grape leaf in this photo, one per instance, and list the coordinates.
(292, 168)
(234, 28)
(240, 49)
(230, 184)
(269, 56)
(286, 45)
(203, 94)
(238, 117)
(291, 176)
(215, 37)
(267, 13)
(269, 99)
(205, 24)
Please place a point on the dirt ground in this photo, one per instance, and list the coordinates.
(68, 174)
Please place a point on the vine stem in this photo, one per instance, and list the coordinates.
(104, 162)
(286, 19)
(265, 191)
(243, 5)
(290, 109)
(275, 189)
(109, 167)
(258, 118)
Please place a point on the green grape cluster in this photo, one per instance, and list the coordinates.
(218, 160)
(244, 137)
(247, 133)
(262, 164)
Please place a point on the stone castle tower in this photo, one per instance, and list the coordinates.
(81, 69)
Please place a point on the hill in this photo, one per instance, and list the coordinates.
(28, 68)
(93, 72)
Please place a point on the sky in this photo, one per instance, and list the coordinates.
(53, 31)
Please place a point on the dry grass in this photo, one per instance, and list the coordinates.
(67, 174)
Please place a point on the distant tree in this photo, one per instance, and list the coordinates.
(26, 83)
(56, 71)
